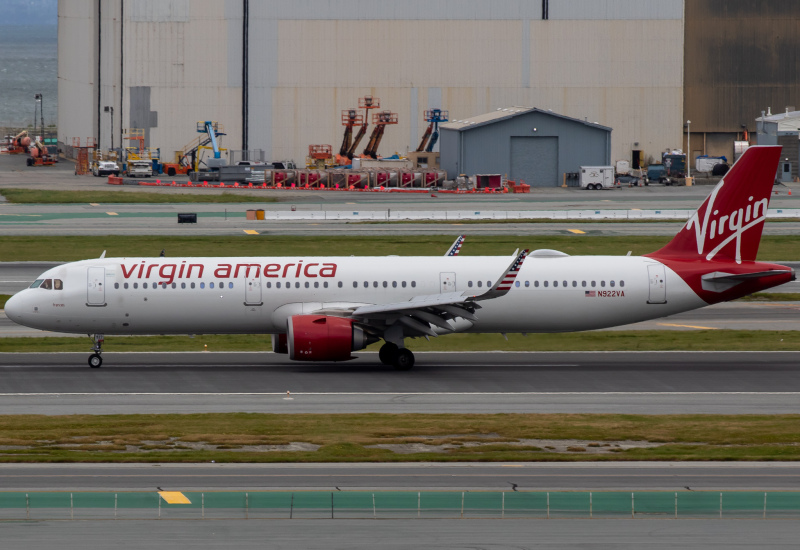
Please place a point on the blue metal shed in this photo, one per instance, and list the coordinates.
(524, 143)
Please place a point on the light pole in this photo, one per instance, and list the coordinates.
(39, 100)
(689, 147)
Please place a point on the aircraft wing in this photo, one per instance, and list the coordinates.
(422, 315)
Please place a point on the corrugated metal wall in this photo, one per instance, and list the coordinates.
(77, 70)
(617, 62)
(740, 58)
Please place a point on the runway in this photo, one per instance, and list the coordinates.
(445, 382)
(404, 534)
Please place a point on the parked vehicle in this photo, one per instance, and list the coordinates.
(597, 177)
(104, 168)
(140, 169)
(657, 172)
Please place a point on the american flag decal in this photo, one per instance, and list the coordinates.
(511, 274)
(590, 293)
(456, 248)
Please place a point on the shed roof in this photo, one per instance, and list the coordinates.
(506, 113)
(787, 122)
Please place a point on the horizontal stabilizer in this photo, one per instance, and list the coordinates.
(719, 281)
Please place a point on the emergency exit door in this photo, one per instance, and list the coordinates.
(658, 284)
(95, 286)
(448, 282)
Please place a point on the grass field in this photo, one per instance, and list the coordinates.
(611, 340)
(57, 248)
(350, 437)
(35, 196)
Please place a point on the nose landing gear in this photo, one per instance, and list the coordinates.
(95, 361)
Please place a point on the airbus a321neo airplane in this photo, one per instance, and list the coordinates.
(325, 308)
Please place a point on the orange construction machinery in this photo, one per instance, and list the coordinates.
(434, 117)
(319, 156)
(350, 118)
(18, 144)
(188, 159)
(366, 103)
(40, 156)
(380, 120)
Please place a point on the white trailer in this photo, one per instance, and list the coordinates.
(597, 177)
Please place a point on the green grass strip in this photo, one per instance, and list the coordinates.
(350, 437)
(122, 196)
(64, 248)
(610, 340)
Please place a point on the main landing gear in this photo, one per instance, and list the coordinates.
(97, 346)
(400, 358)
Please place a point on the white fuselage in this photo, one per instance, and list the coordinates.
(220, 295)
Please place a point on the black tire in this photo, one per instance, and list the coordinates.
(95, 361)
(404, 360)
(171, 171)
(116, 173)
(387, 353)
(720, 169)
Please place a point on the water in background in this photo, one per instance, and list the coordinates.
(28, 66)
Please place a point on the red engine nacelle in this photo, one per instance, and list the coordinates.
(324, 338)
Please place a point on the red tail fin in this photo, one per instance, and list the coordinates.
(729, 223)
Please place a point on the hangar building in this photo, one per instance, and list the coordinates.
(277, 74)
(524, 144)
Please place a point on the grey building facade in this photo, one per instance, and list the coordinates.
(522, 143)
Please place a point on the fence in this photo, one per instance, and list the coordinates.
(397, 505)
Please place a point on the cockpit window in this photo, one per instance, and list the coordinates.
(48, 284)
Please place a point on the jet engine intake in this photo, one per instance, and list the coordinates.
(324, 338)
(279, 344)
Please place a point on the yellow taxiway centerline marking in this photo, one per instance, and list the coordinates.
(174, 497)
(577, 231)
(112, 213)
(94, 204)
(250, 231)
(685, 326)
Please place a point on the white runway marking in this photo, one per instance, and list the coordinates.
(311, 394)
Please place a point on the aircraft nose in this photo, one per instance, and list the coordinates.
(14, 307)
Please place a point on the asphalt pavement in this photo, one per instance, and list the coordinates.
(444, 382)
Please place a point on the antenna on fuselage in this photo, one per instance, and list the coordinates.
(103, 255)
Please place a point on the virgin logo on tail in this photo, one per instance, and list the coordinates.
(728, 225)
(735, 222)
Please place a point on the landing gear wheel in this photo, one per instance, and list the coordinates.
(97, 347)
(388, 353)
(404, 360)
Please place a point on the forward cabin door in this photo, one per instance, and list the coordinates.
(658, 284)
(448, 282)
(252, 288)
(95, 289)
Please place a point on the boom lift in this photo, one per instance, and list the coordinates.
(366, 103)
(187, 160)
(350, 117)
(381, 120)
(434, 117)
(18, 144)
(40, 156)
